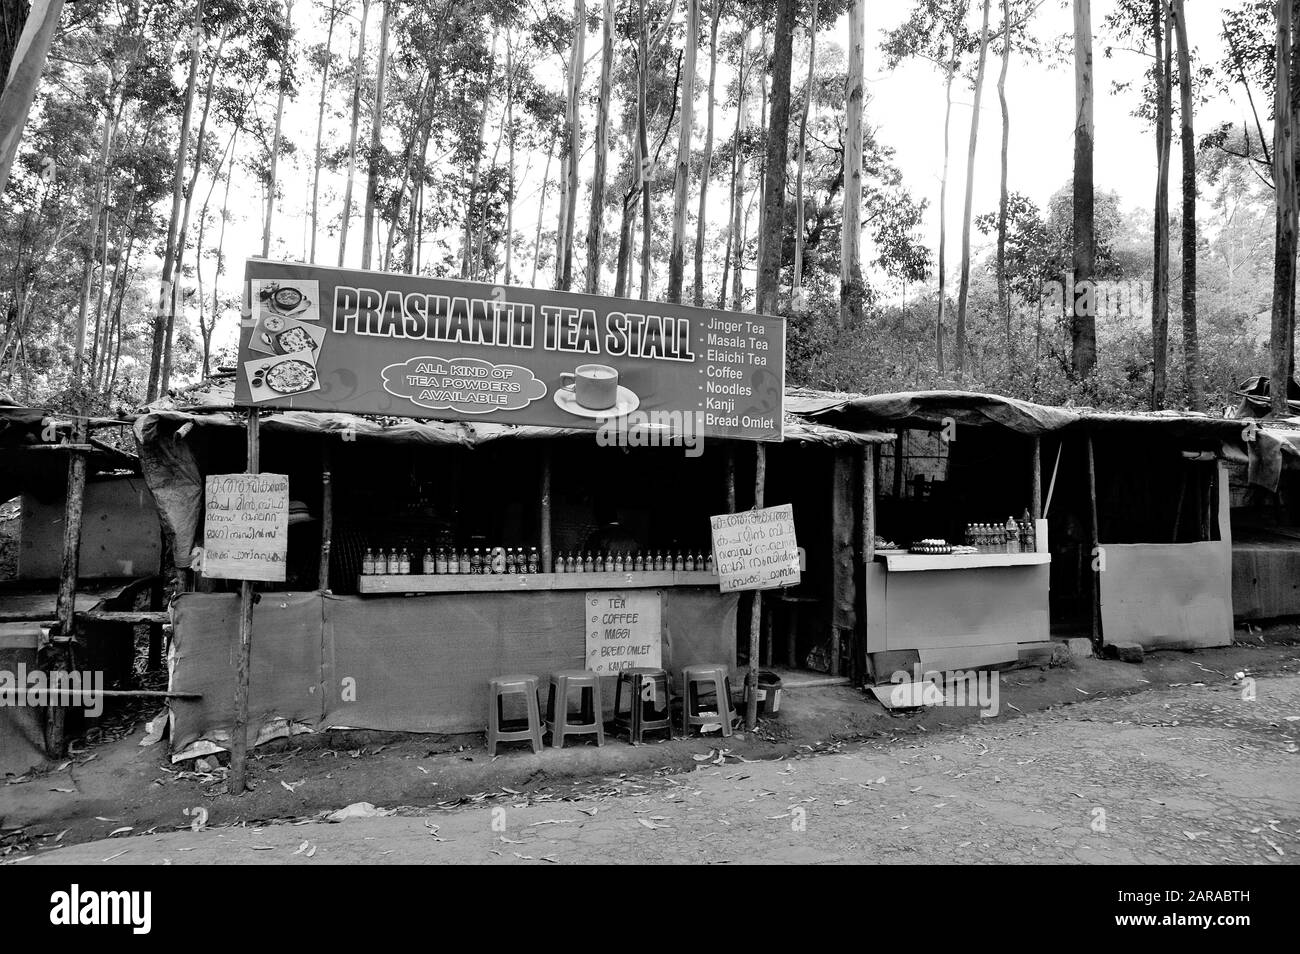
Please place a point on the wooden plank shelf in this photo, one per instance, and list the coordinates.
(134, 617)
(506, 583)
(898, 561)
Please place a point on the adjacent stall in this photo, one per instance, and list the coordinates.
(1122, 523)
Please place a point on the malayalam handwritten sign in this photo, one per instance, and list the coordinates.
(756, 549)
(246, 527)
(624, 630)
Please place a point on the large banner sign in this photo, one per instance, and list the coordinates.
(330, 339)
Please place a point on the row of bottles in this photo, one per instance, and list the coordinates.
(1009, 537)
(609, 562)
(450, 560)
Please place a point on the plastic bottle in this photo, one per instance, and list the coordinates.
(1013, 535)
(368, 563)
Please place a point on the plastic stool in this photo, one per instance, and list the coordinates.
(498, 688)
(710, 676)
(557, 706)
(644, 687)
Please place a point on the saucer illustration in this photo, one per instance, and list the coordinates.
(627, 403)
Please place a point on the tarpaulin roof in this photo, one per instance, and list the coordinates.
(933, 409)
(217, 394)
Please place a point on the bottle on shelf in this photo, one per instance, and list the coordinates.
(534, 561)
(368, 563)
(1026, 533)
(708, 562)
(1013, 535)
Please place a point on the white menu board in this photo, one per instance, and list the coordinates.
(624, 630)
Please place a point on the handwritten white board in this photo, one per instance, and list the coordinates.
(755, 549)
(624, 630)
(246, 527)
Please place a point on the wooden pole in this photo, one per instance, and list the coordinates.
(731, 479)
(1036, 481)
(845, 598)
(244, 653)
(898, 464)
(547, 566)
(870, 460)
(56, 744)
(326, 514)
(756, 608)
(1095, 613)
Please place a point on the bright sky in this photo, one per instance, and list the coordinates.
(906, 106)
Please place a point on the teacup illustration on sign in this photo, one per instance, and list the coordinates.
(592, 390)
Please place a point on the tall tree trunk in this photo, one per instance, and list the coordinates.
(778, 147)
(644, 171)
(541, 209)
(706, 168)
(595, 221)
(623, 261)
(183, 234)
(1083, 323)
(1163, 36)
(682, 178)
(1191, 344)
(467, 264)
(510, 182)
(376, 139)
(943, 211)
(23, 76)
(796, 284)
(576, 55)
(851, 229)
(93, 225)
(1284, 180)
(359, 69)
(162, 320)
(963, 289)
(275, 139)
(320, 128)
(1004, 297)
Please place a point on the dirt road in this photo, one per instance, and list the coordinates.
(1187, 774)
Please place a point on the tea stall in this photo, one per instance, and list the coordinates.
(426, 555)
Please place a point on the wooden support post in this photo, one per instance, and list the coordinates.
(1036, 481)
(844, 600)
(870, 460)
(547, 565)
(1094, 531)
(756, 608)
(731, 478)
(898, 464)
(154, 662)
(326, 514)
(244, 652)
(56, 744)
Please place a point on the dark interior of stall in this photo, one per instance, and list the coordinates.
(390, 495)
